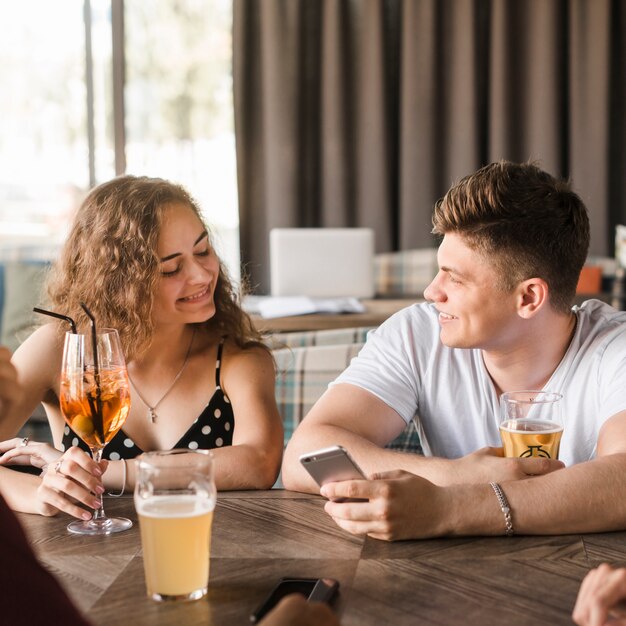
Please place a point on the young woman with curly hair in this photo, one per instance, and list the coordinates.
(139, 255)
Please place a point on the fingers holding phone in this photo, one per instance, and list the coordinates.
(331, 465)
(298, 601)
(294, 610)
(382, 507)
(400, 505)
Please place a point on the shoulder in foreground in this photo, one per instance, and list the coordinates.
(45, 338)
(39, 357)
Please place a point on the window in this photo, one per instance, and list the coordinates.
(65, 107)
(43, 141)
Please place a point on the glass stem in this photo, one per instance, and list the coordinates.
(98, 517)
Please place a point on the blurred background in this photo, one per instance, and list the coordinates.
(94, 89)
(293, 113)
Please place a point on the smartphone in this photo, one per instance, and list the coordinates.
(330, 465)
(314, 589)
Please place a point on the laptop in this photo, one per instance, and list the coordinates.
(322, 262)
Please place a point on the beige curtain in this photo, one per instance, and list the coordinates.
(363, 112)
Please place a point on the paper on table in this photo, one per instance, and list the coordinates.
(283, 306)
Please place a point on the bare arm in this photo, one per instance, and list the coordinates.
(25, 492)
(253, 461)
(38, 363)
(19, 490)
(11, 393)
(587, 497)
(356, 419)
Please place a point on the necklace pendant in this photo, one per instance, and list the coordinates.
(152, 414)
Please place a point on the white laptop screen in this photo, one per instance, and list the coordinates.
(322, 262)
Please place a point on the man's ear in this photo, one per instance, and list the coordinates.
(533, 296)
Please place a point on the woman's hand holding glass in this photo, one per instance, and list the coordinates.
(72, 482)
(68, 480)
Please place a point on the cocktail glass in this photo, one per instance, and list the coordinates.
(95, 401)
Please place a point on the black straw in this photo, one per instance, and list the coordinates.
(58, 316)
(96, 368)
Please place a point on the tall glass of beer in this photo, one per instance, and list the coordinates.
(175, 497)
(531, 423)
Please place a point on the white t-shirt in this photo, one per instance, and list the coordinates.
(450, 395)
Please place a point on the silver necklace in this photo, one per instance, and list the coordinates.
(152, 414)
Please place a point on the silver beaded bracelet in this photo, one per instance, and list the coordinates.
(506, 509)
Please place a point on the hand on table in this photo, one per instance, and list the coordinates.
(601, 591)
(22, 451)
(68, 479)
(489, 465)
(294, 610)
(400, 505)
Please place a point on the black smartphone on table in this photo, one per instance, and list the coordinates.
(313, 589)
(330, 465)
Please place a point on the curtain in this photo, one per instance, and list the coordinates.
(364, 112)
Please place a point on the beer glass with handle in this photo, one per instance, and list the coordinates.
(531, 424)
(95, 401)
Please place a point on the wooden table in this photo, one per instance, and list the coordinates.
(376, 312)
(260, 536)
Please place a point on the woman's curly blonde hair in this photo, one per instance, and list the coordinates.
(110, 263)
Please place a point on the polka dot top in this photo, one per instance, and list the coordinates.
(213, 428)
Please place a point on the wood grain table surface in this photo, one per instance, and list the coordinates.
(258, 537)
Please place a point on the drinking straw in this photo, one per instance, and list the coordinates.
(96, 368)
(58, 316)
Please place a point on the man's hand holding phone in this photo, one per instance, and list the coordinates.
(389, 506)
(398, 505)
(330, 465)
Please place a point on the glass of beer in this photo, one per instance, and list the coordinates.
(95, 400)
(175, 497)
(531, 424)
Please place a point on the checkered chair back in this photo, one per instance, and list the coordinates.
(304, 373)
(404, 273)
(328, 337)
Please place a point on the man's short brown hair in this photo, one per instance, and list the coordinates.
(525, 221)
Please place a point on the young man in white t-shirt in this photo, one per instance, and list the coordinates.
(499, 318)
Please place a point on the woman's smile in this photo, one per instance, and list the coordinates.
(198, 297)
